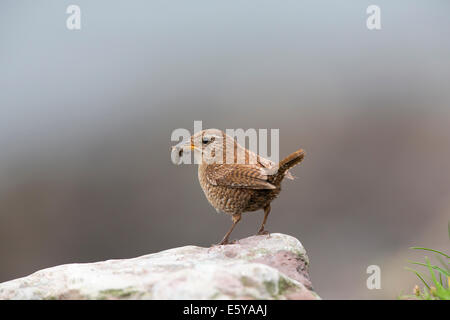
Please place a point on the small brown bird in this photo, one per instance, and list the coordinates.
(234, 179)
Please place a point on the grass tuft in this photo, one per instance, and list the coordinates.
(435, 288)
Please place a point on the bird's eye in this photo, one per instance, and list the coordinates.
(207, 140)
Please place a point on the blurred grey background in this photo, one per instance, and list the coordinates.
(86, 118)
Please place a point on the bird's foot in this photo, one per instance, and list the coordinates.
(225, 242)
(263, 232)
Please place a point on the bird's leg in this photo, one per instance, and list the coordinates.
(266, 214)
(236, 218)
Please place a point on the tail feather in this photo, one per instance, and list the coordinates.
(287, 163)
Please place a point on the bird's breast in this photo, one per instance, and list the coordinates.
(234, 200)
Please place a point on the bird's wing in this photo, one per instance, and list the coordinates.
(237, 176)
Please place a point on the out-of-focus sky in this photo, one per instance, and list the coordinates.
(86, 118)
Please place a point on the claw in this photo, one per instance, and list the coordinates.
(263, 232)
(223, 242)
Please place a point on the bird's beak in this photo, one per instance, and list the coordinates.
(178, 152)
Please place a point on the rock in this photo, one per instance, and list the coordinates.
(258, 267)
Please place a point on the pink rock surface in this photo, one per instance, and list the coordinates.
(258, 267)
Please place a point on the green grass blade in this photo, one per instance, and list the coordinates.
(433, 266)
(419, 276)
(444, 265)
(432, 250)
(440, 291)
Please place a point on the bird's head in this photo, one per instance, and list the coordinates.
(209, 146)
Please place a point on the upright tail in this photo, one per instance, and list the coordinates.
(287, 163)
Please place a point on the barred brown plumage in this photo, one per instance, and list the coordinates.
(246, 183)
